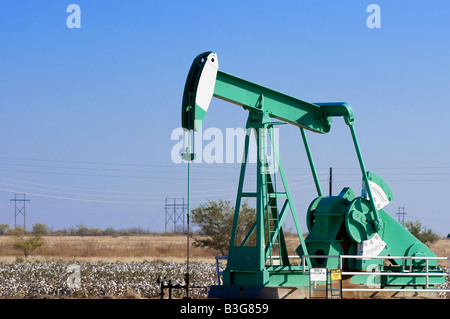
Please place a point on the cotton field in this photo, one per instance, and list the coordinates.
(100, 279)
(62, 279)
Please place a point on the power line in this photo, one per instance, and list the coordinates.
(82, 194)
(179, 165)
(117, 194)
(82, 199)
(217, 178)
(110, 191)
(302, 180)
(112, 176)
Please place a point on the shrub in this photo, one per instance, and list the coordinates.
(426, 236)
(215, 220)
(3, 228)
(40, 229)
(27, 245)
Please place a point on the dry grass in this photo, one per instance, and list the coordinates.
(442, 249)
(142, 247)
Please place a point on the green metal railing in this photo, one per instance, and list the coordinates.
(405, 272)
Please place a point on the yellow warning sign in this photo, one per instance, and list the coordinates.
(335, 274)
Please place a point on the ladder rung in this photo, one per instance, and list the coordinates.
(248, 194)
(277, 195)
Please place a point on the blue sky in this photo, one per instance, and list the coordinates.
(87, 114)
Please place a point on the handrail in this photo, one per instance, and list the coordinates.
(372, 257)
(426, 273)
(409, 273)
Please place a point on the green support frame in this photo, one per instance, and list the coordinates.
(262, 263)
(255, 265)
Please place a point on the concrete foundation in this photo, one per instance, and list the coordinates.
(237, 292)
(306, 292)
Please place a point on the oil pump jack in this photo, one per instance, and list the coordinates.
(346, 224)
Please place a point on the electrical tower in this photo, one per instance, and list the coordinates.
(19, 208)
(174, 213)
(401, 215)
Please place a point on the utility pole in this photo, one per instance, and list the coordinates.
(19, 208)
(401, 215)
(331, 180)
(188, 155)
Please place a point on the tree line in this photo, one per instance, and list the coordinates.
(213, 218)
(79, 230)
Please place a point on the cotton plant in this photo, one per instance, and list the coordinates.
(99, 279)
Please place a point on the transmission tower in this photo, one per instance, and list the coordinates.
(401, 215)
(174, 213)
(19, 208)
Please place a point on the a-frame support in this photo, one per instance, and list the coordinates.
(262, 254)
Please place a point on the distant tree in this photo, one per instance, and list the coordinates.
(17, 231)
(27, 245)
(40, 229)
(215, 220)
(110, 231)
(3, 228)
(423, 234)
(94, 231)
(81, 230)
(138, 230)
(60, 232)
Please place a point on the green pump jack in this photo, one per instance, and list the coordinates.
(258, 265)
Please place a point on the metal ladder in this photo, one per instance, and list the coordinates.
(271, 209)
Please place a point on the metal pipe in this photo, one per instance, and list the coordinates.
(378, 224)
(368, 273)
(377, 257)
(187, 228)
(397, 290)
(390, 257)
(311, 162)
